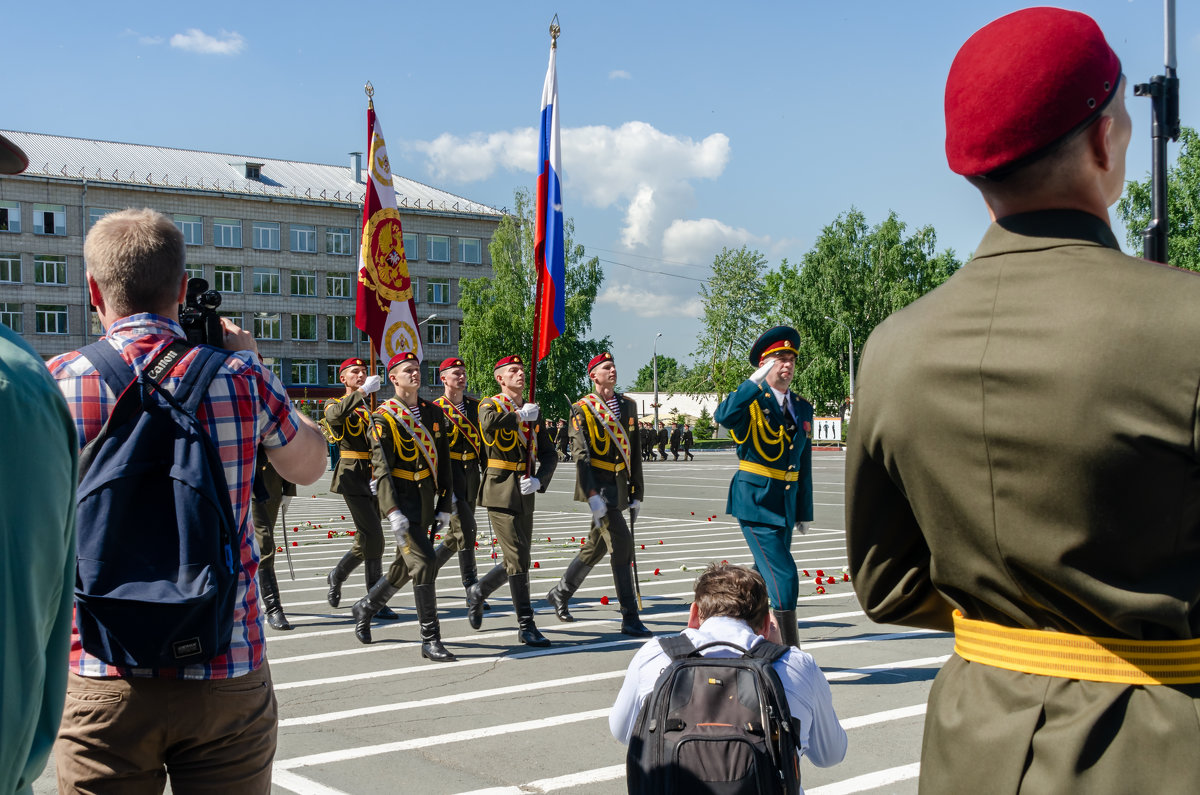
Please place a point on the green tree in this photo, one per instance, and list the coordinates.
(1183, 206)
(735, 313)
(498, 313)
(856, 274)
(703, 428)
(670, 374)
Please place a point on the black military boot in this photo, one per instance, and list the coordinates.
(268, 586)
(441, 556)
(527, 632)
(493, 579)
(630, 623)
(374, 575)
(470, 575)
(788, 630)
(431, 630)
(560, 594)
(338, 575)
(369, 606)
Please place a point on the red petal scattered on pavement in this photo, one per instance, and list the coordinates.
(657, 572)
(845, 578)
(278, 549)
(437, 537)
(537, 565)
(548, 541)
(603, 600)
(820, 573)
(724, 563)
(830, 581)
(660, 540)
(295, 543)
(643, 546)
(806, 573)
(820, 589)
(295, 529)
(343, 518)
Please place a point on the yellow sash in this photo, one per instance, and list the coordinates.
(460, 421)
(524, 429)
(612, 426)
(396, 410)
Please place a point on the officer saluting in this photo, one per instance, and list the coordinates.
(608, 477)
(771, 494)
(411, 465)
(1022, 465)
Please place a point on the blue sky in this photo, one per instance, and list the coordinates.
(686, 126)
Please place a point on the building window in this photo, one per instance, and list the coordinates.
(49, 269)
(227, 233)
(432, 376)
(266, 281)
(49, 219)
(50, 318)
(304, 328)
(338, 328)
(469, 251)
(266, 325)
(10, 216)
(337, 285)
(416, 288)
(10, 268)
(304, 282)
(304, 371)
(10, 315)
(437, 291)
(339, 240)
(331, 373)
(195, 271)
(439, 248)
(94, 327)
(228, 278)
(412, 249)
(437, 333)
(266, 236)
(193, 229)
(304, 239)
(96, 213)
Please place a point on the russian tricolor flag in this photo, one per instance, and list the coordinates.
(549, 252)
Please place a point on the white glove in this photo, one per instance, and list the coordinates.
(375, 487)
(399, 523)
(635, 507)
(441, 519)
(528, 412)
(802, 527)
(599, 509)
(371, 384)
(285, 502)
(529, 485)
(760, 374)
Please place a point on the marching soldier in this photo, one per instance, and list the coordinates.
(661, 437)
(688, 441)
(508, 427)
(771, 494)
(561, 440)
(348, 420)
(270, 491)
(608, 470)
(676, 438)
(411, 465)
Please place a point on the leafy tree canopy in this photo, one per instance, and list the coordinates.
(1183, 206)
(670, 374)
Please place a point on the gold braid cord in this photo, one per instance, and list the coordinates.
(596, 435)
(761, 432)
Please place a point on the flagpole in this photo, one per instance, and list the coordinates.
(369, 90)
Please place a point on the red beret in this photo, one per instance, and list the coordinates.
(453, 361)
(601, 359)
(507, 360)
(1022, 83)
(401, 358)
(352, 362)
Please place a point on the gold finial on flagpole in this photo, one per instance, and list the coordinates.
(369, 90)
(554, 31)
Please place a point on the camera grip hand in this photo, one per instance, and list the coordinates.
(237, 338)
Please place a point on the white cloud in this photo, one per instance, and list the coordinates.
(196, 40)
(643, 302)
(151, 40)
(476, 157)
(619, 74)
(698, 241)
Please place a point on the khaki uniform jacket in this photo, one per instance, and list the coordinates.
(1026, 447)
(599, 465)
(501, 484)
(349, 422)
(465, 460)
(425, 491)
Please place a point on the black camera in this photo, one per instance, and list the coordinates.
(199, 317)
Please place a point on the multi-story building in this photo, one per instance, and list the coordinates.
(277, 239)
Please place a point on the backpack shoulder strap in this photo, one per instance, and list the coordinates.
(768, 651)
(112, 367)
(200, 373)
(677, 647)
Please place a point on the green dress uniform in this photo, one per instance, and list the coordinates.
(1026, 449)
(506, 440)
(608, 462)
(348, 421)
(466, 461)
(410, 462)
(264, 512)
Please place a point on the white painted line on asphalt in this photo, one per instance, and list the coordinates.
(906, 635)
(869, 781)
(877, 717)
(920, 662)
(569, 781)
(291, 782)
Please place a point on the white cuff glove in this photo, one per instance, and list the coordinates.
(529, 485)
(802, 527)
(635, 507)
(599, 509)
(399, 523)
(760, 374)
(285, 502)
(441, 519)
(375, 487)
(528, 412)
(371, 384)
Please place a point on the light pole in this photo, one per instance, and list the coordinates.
(654, 367)
(426, 320)
(851, 333)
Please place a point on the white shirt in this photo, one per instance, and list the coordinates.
(781, 399)
(822, 738)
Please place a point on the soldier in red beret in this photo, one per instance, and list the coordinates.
(1023, 460)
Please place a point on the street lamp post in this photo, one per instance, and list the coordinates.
(654, 367)
(851, 333)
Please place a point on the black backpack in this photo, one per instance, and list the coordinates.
(715, 725)
(157, 544)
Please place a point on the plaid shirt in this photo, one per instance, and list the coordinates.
(246, 404)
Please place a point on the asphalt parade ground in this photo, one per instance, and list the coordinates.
(507, 718)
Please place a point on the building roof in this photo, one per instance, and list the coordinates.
(161, 166)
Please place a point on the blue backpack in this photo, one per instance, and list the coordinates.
(157, 543)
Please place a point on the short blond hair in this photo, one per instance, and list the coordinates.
(137, 259)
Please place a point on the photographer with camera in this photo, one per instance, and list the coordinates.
(220, 730)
